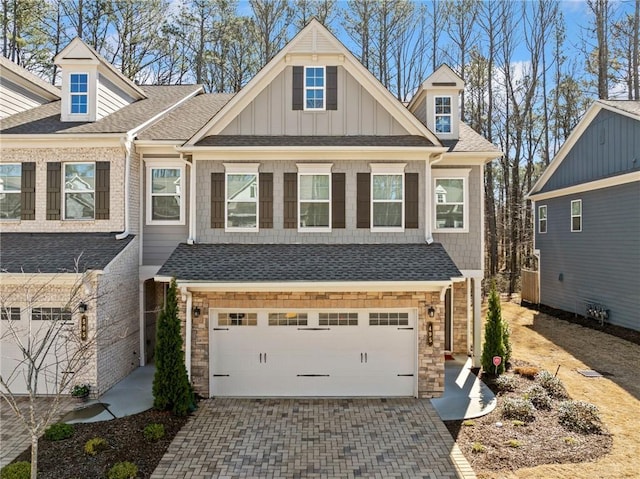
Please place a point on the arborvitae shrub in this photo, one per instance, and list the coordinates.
(496, 332)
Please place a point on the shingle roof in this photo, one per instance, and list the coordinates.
(38, 82)
(185, 121)
(470, 141)
(45, 119)
(250, 140)
(58, 252)
(249, 263)
(630, 106)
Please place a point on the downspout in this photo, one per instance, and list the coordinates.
(186, 294)
(192, 200)
(126, 144)
(428, 197)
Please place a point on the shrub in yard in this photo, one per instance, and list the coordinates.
(580, 416)
(95, 445)
(477, 447)
(506, 383)
(514, 443)
(494, 336)
(538, 396)
(123, 470)
(552, 384)
(469, 423)
(58, 432)
(528, 372)
(518, 408)
(153, 432)
(17, 470)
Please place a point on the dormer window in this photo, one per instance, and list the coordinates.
(443, 114)
(314, 88)
(79, 90)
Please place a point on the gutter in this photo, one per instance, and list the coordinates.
(127, 145)
(428, 197)
(188, 297)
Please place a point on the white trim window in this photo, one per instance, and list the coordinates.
(443, 114)
(314, 197)
(387, 197)
(79, 191)
(576, 216)
(165, 198)
(542, 219)
(451, 200)
(10, 191)
(79, 93)
(241, 197)
(314, 88)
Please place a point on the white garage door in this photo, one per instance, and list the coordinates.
(46, 341)
(312, 353)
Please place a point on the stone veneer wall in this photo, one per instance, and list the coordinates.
(118, 318)
(430, 358)
(460, 319)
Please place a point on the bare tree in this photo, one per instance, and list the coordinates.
(600, 10)
(322, 10)
(272, 19)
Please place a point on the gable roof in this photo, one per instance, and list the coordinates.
(32, 82)
(45, 119)
(58, 252)
(470, 141)
(290, 263)
(443, 78)
(78, 51)
(630, 108)
(314, 39)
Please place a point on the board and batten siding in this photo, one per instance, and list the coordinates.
(609, 146)
(15, 98)
(110, 97)
(271, 113)
(600, 264)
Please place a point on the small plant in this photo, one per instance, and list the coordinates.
(153, 432)
(538, 396)
(506, 383)
(580, 416)
(552, 384)
(80, 390)
(123, 470)
(17, 470)
(95, 445)
(517, 423)
(468, 423)
(494, 337)
(58, 432)
(528, 372)
(514, 443)
(571, 441)
(519, 409)
(477, 448)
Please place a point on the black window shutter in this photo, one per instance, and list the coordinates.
(217, 200)
(363, 203)
(297, 101)
(266, 200)
(332, 88)
(411, 200)
(28, 192)
(290, 200)
(338, 200)
(54, 184)
(103, 184)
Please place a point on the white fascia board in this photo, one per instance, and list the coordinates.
(472, 273)
(589, 186)
(316, 286)
(469, 158)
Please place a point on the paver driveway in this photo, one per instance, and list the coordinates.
(291, 438)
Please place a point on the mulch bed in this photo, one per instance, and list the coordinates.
(543, 441)
(67, 459)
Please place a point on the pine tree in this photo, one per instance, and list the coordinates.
(171, 388)
(494, 336)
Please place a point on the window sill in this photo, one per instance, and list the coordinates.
(241, 230)
(314, 230)
(451, 230)
(387, 229)
(166, 223)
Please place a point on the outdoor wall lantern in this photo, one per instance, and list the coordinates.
(196, 312)
(82, 307)
(430, 333)
(431, 311)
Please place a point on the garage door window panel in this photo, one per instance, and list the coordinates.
(388, 319)
(50, 314)
(237, 319)
(10, 314)
(288, 319)
(338, 319)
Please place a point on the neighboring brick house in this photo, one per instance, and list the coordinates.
(587, 218)
(69, 182)
(327, 240)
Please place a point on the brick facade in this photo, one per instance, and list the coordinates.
(460, 321)
(430, 358)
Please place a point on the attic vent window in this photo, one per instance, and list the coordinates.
(79, 89)
(443, 114)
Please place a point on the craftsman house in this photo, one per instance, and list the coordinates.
(587, 218)
(326, 239)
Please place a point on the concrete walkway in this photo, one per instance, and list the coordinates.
(465, 396)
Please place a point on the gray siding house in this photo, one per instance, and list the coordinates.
(587, 218)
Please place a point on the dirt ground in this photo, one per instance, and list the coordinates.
(548, 343)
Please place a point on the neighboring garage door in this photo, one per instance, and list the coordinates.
(20, 325)
(313, 353)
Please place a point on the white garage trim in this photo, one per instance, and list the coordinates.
(305, 352)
